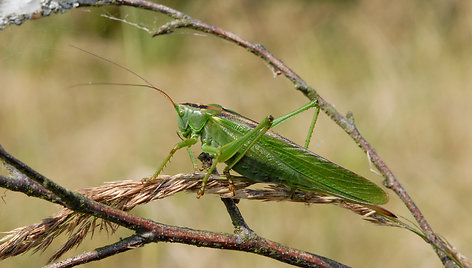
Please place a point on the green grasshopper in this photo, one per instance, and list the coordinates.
(253, 150)
(256, 152)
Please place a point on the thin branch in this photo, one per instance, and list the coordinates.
(29, 187)
(131, 242)
(161, 232)
(236, 218)
(125, 195)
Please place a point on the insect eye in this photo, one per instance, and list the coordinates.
(181, 112)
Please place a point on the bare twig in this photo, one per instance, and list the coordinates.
(157, 231)
(238, 221)
(29, 187)
(131, 242)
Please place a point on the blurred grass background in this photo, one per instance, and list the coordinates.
(404, 68)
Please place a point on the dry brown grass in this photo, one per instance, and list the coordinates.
(126, 195)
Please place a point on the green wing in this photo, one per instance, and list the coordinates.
(276, 159)
(299, 168)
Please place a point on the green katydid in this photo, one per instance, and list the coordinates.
(253, 150)
(256, 152)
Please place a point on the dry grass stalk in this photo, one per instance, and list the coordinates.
(127, 194)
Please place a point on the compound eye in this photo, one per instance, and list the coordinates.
(181, 112)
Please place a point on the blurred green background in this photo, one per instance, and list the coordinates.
(404, 68)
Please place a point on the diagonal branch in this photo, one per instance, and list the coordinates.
(131, 242)
(156, 232)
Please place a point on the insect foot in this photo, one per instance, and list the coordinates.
(146, 180)
(231, 186)
(201, 192)
(232, 189)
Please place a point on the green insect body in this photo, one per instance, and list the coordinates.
(265, 156)
(256, 152)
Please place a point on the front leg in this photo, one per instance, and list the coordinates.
(185, 143)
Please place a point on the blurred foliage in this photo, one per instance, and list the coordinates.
(404, 68)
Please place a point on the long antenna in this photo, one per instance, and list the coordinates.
(148, 84)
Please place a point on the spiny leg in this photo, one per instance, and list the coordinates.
(231, 186)
(252, 136)
(312, 127)
(207, 163)
(192, 158)
(313, 103)
(229, 150)
(190, 153)
(261, 130)
(205, 179)
(269, 122)
(264, 126)
(185, 143)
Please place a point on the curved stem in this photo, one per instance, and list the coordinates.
(155, 231)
